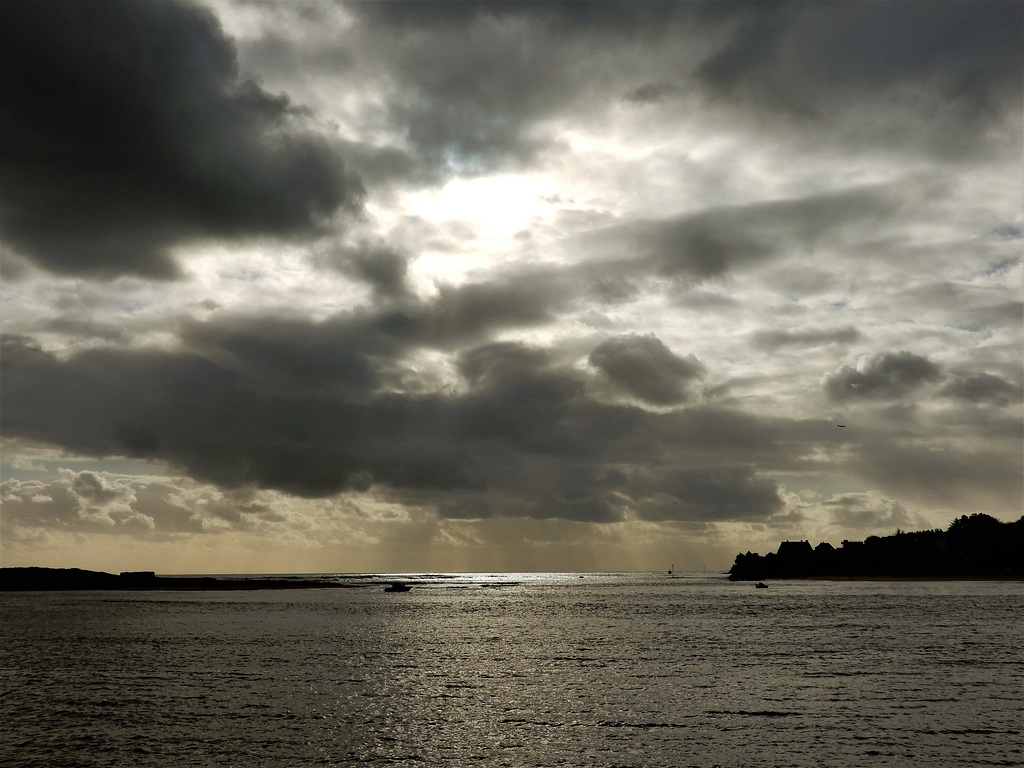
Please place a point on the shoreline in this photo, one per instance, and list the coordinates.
(33, 579)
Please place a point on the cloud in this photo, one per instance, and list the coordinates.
(650, 93)
(887, 376)
(647, 369)
(709, 495)
(463, 90)
(524, 429)
(862, 68)
(273, 408)
(806, 338)
(467, 90)
(110, 504)
(719, 240)
(92, 488)
(279, 355)
(77, 502)
(379, 264)
(460, 315)
(714, 225)
(867, 511)
(985, 479)
(983, 388)
(128, 128)
(890, 376)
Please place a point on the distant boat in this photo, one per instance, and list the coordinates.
(761, 585)
(397, 586)
(671, 569)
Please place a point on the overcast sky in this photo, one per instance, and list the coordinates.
(313, 286)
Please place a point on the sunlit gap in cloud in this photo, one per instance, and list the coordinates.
(281, 278)
(487, 211)
(65, 315)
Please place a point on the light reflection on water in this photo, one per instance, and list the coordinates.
(519, 670)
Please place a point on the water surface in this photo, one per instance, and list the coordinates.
(519, 670)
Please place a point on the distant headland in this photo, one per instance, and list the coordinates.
(975, 547)
(54, 579)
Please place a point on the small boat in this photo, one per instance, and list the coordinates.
(397, 586)
(761, 585)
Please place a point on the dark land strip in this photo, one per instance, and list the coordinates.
(60, 579)
(975, 547)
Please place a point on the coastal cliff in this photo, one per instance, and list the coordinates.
(975, 547)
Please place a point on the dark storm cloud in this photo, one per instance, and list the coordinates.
(959, 63)
(381, 165)
(381, 265)
(127, 127)
(711, 243)
(468, 84)
(891, 375)
(538, 487)
(281, 355)
(983, 388)
(522, 438)
(519, 397)
(524, 429)
(471, 310)
(650, 93)
(973, 307)
(223, 423)
(354, 353)
(584, 17)
(227, 426)
(709, 495)
(487, 366)
(647, 369)
(947, 476)
(754, 45)
(865, 512)
(472, 82)
(886, 376)
(460, 315)
(729, 436)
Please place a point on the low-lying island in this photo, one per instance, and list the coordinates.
(62, 579)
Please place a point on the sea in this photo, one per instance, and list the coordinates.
(527, 669)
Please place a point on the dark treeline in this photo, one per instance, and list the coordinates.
(979, 546)
(39, 579)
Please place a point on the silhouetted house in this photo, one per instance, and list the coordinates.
(795, 550)
(824, 548)
(794, 558)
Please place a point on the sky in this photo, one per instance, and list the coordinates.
(298, 286)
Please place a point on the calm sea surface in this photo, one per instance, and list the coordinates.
(519, 670)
